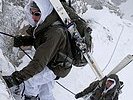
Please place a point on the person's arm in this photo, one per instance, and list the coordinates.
(45, 52)
(88, 90)
(23, 41)
(92, 86)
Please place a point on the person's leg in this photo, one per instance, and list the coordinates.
(46, 92)
(31, 91)
(32, 85)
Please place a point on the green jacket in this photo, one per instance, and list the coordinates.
(50, 39)
(97, 88)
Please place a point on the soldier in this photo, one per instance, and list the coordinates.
(105, 89)
(50, 39)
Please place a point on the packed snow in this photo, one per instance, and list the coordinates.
(112, 41)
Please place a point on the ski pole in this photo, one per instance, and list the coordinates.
(13, 37)
(65, 88)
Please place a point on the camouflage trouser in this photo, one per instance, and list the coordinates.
(40, 85)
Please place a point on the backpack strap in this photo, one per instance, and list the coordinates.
(66, 57)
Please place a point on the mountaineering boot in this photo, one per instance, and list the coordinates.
(31, 97)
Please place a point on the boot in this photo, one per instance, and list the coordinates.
(31, 97)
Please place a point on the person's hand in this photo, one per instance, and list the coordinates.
(12, 80)
(23, 41)
(18, 41)
(78, 95)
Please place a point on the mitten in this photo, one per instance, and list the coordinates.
(23, 41)
(13, 79)
(78, 95)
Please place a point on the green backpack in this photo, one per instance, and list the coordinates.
(62, 67)
(85, 32)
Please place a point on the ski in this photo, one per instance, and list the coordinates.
(74, 32)
(122, 64)
(8, 94)
(91, 61)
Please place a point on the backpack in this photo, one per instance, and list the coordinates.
(85, 32)
(62, 66)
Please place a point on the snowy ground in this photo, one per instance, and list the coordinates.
(112, 39)
(127, 9)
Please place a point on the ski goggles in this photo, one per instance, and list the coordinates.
(36, 13)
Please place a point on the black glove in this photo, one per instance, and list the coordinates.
(12, 79)
(23, 41)
(78, 95)
(18, 41)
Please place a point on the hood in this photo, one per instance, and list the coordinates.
(111, 87)
(114, 76)
(115, 79)
(45, 7)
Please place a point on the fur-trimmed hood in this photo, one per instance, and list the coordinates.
(115, 79)
(114, 76)
(111, 87)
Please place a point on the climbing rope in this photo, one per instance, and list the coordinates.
(65, 88)
(114, 49)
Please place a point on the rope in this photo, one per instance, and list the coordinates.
(65, 88)
(13, 37)
(7, 34)
(114, 49)
(25, 53)
(115, 45)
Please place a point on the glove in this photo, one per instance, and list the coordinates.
(18, 41)
(78, 95)
(12, 79)
(23, 41)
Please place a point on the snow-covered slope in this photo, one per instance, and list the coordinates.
(112, 40)
(127, 9)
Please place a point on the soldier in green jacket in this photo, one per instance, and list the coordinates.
(105, 89)
(50, 39)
